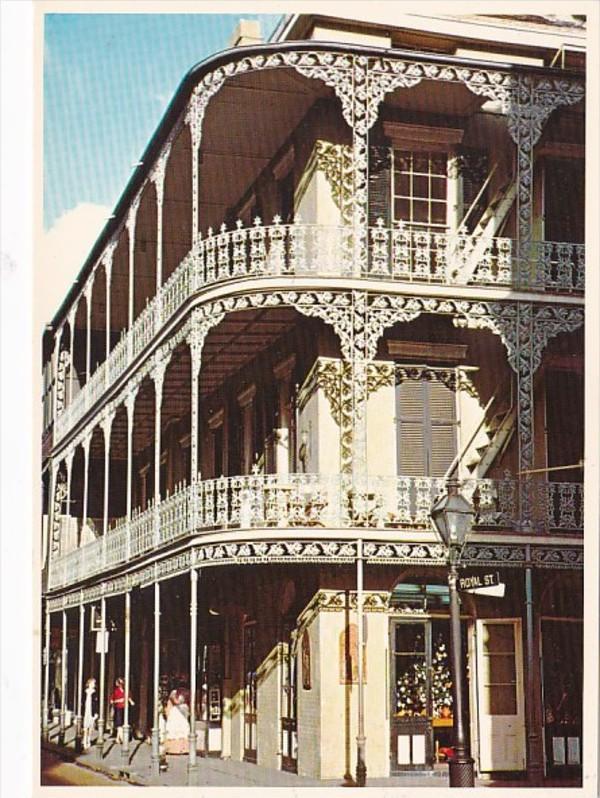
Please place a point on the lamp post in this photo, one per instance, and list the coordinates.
(452, 517)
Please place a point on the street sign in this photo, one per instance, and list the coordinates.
(474, 581)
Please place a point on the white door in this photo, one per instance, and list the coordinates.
(500, 695)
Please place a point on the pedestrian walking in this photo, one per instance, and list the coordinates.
(117, 701)
(90, 711)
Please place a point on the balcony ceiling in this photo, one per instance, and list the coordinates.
(229, 347)
(237, 340)
(246, 123)
(436, 97)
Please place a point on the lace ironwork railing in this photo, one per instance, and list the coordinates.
(322, 501)
(410, 253)
(301, 249)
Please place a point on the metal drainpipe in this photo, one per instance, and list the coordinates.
(361, 766)
(535, 768)
(126, 679)
(155, 756)
(101, 707)
(192, 759)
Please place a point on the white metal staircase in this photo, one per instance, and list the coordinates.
(490, 442)
(470, 249)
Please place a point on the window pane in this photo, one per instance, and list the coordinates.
(421, 186)
(500, 669)
(438, 212)
(402, 159)
(438, 188)
(498, 638)
(500, 700)
(438, 164)
(410, 638)
(421, 163)
(420, 211)
(402, 184)
(402, 210)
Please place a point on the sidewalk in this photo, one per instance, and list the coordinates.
(215, 772)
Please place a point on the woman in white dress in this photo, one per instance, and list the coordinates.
(90, 712)
(177, 727)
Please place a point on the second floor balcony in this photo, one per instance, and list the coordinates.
(402, 254)
(266, 505)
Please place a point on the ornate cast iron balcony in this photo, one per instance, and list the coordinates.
(305, 250)
(267, 501)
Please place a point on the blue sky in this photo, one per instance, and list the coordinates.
(107, 80)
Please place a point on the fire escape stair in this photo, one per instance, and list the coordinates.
(489, 443)
(493, 218)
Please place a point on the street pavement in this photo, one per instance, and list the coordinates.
(109, 768)
(58, 773)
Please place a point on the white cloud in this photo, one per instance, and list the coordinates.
(64, 248)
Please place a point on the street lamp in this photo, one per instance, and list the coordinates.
(452, 517)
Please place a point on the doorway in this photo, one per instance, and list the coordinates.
(289, 718)
(562, 679)
(501, 702)
(421, 694)
(250, 693)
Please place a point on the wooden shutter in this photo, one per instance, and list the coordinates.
(411, 434)
(426, 414)
(442, 419)
(379, 185)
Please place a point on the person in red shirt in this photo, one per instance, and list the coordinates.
(117, 701)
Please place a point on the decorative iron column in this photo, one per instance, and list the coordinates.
(86, 467)
(194, 120)
(130, 407)
(63, 680)
(158, 375)
(69, 463)
(45, 700)
(72, 316)
(126, 726)
(106, 427)
(88, 329)
(56, 358)
(78, 717)
(158, 178)
(101, 720)
(192, 761)
(108, 259)
(155, 755)
(130, 225)
(196, 343)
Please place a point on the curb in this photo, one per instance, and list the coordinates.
(112, 773)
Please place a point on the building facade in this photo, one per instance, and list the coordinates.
(349, 267)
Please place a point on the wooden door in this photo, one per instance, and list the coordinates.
(500, 695)
(411, 744)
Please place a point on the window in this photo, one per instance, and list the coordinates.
(499, 670)
(426, 419)
(419, 188)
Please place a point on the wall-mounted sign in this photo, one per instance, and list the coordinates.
(483, 583)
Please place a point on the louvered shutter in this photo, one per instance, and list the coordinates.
(411, 433)
(426, 414)
(379, 185)
(442, 437)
